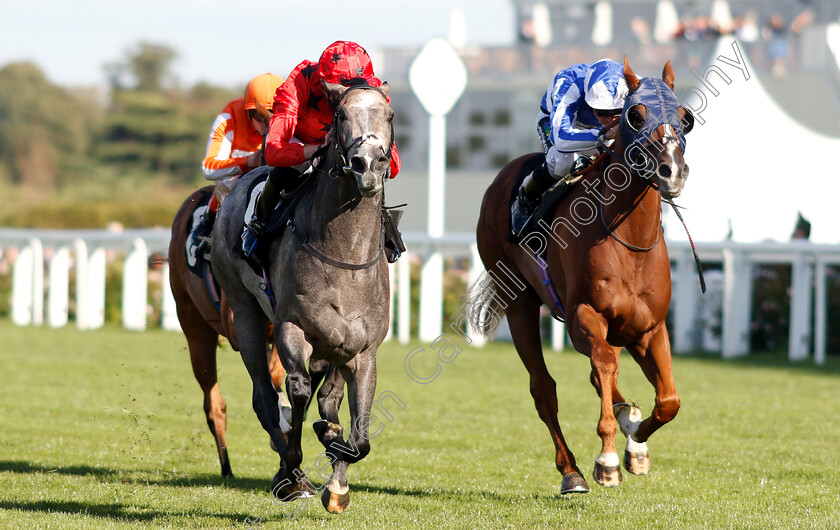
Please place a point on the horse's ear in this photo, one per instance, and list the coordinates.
(631, 79)
(385, 87)
(668, 75)
(334, 92)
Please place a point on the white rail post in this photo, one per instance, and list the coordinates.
(820, 318)
(404, 298)
(168, 309)
(687, 303)
(135, 287)
(392, 285)
(95, 317)
(58, 291)
(800, 308)
(558, 335)
(37, 282)
(737, 294)
(23, 287)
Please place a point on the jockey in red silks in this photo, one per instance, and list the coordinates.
(301, 119)
(235, 144)
(580, 101)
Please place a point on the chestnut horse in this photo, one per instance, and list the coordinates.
(202, 322)
(603, 250)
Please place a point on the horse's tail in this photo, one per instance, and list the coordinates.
(484, 309)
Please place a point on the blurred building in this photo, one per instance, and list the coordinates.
(785, 40)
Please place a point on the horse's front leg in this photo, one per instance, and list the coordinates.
(360, 374)
(290, 483)
(588, 333)
(654, 357)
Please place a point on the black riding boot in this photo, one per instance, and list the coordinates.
(280, 179)
(201, 232)
(528, 198)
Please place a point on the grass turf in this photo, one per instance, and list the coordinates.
(106, 429)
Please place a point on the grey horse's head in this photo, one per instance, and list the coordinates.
(653, 129)
(363, 133)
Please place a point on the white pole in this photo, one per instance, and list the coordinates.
(82, 295)
(404, 298)
(37, 282)
(820, 319)
(22, 288)
(135, 287)
(58, 297)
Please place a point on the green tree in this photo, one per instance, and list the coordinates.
(151, 128)
(148, 65)
(45, 132)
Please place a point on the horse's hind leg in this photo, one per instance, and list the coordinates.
(524, 326)
(588, 332)
(278, 377)
(202, 341)
(654, 357)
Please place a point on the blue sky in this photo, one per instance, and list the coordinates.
(227, 42)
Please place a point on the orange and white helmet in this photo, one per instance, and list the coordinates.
(259, 94)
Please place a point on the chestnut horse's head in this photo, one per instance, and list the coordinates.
(653, 128)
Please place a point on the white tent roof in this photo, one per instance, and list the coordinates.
(753, 164)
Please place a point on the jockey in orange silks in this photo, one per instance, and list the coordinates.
(235, 144)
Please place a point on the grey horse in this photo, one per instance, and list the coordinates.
(329, 277)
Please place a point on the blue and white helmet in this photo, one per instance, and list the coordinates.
(604, 86)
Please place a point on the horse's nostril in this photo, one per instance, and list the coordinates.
(664, 171)
(358, 164)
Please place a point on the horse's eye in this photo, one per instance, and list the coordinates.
(391, 116)
(687, 120)
(636, 117)
(340, 116)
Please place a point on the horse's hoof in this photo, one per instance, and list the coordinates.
(573, 483)
(637, 463)
(628, 418)
(328, 432)
(606, 475)
(287, 490)
(338, 501)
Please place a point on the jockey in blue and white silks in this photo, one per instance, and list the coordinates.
(579, 101)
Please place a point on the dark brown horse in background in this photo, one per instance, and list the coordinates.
(604, 252)
(202, 324)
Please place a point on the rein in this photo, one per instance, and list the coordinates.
(336, 171)
(620, 160)
(340, 150)
(611, 231)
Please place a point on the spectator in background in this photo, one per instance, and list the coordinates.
(778, 49)
(802, 229)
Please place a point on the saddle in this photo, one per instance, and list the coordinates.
(551, 197)
(391, 240)
(199, 262)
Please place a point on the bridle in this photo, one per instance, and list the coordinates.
(341, 151)
(657, 99)
(336, 171)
